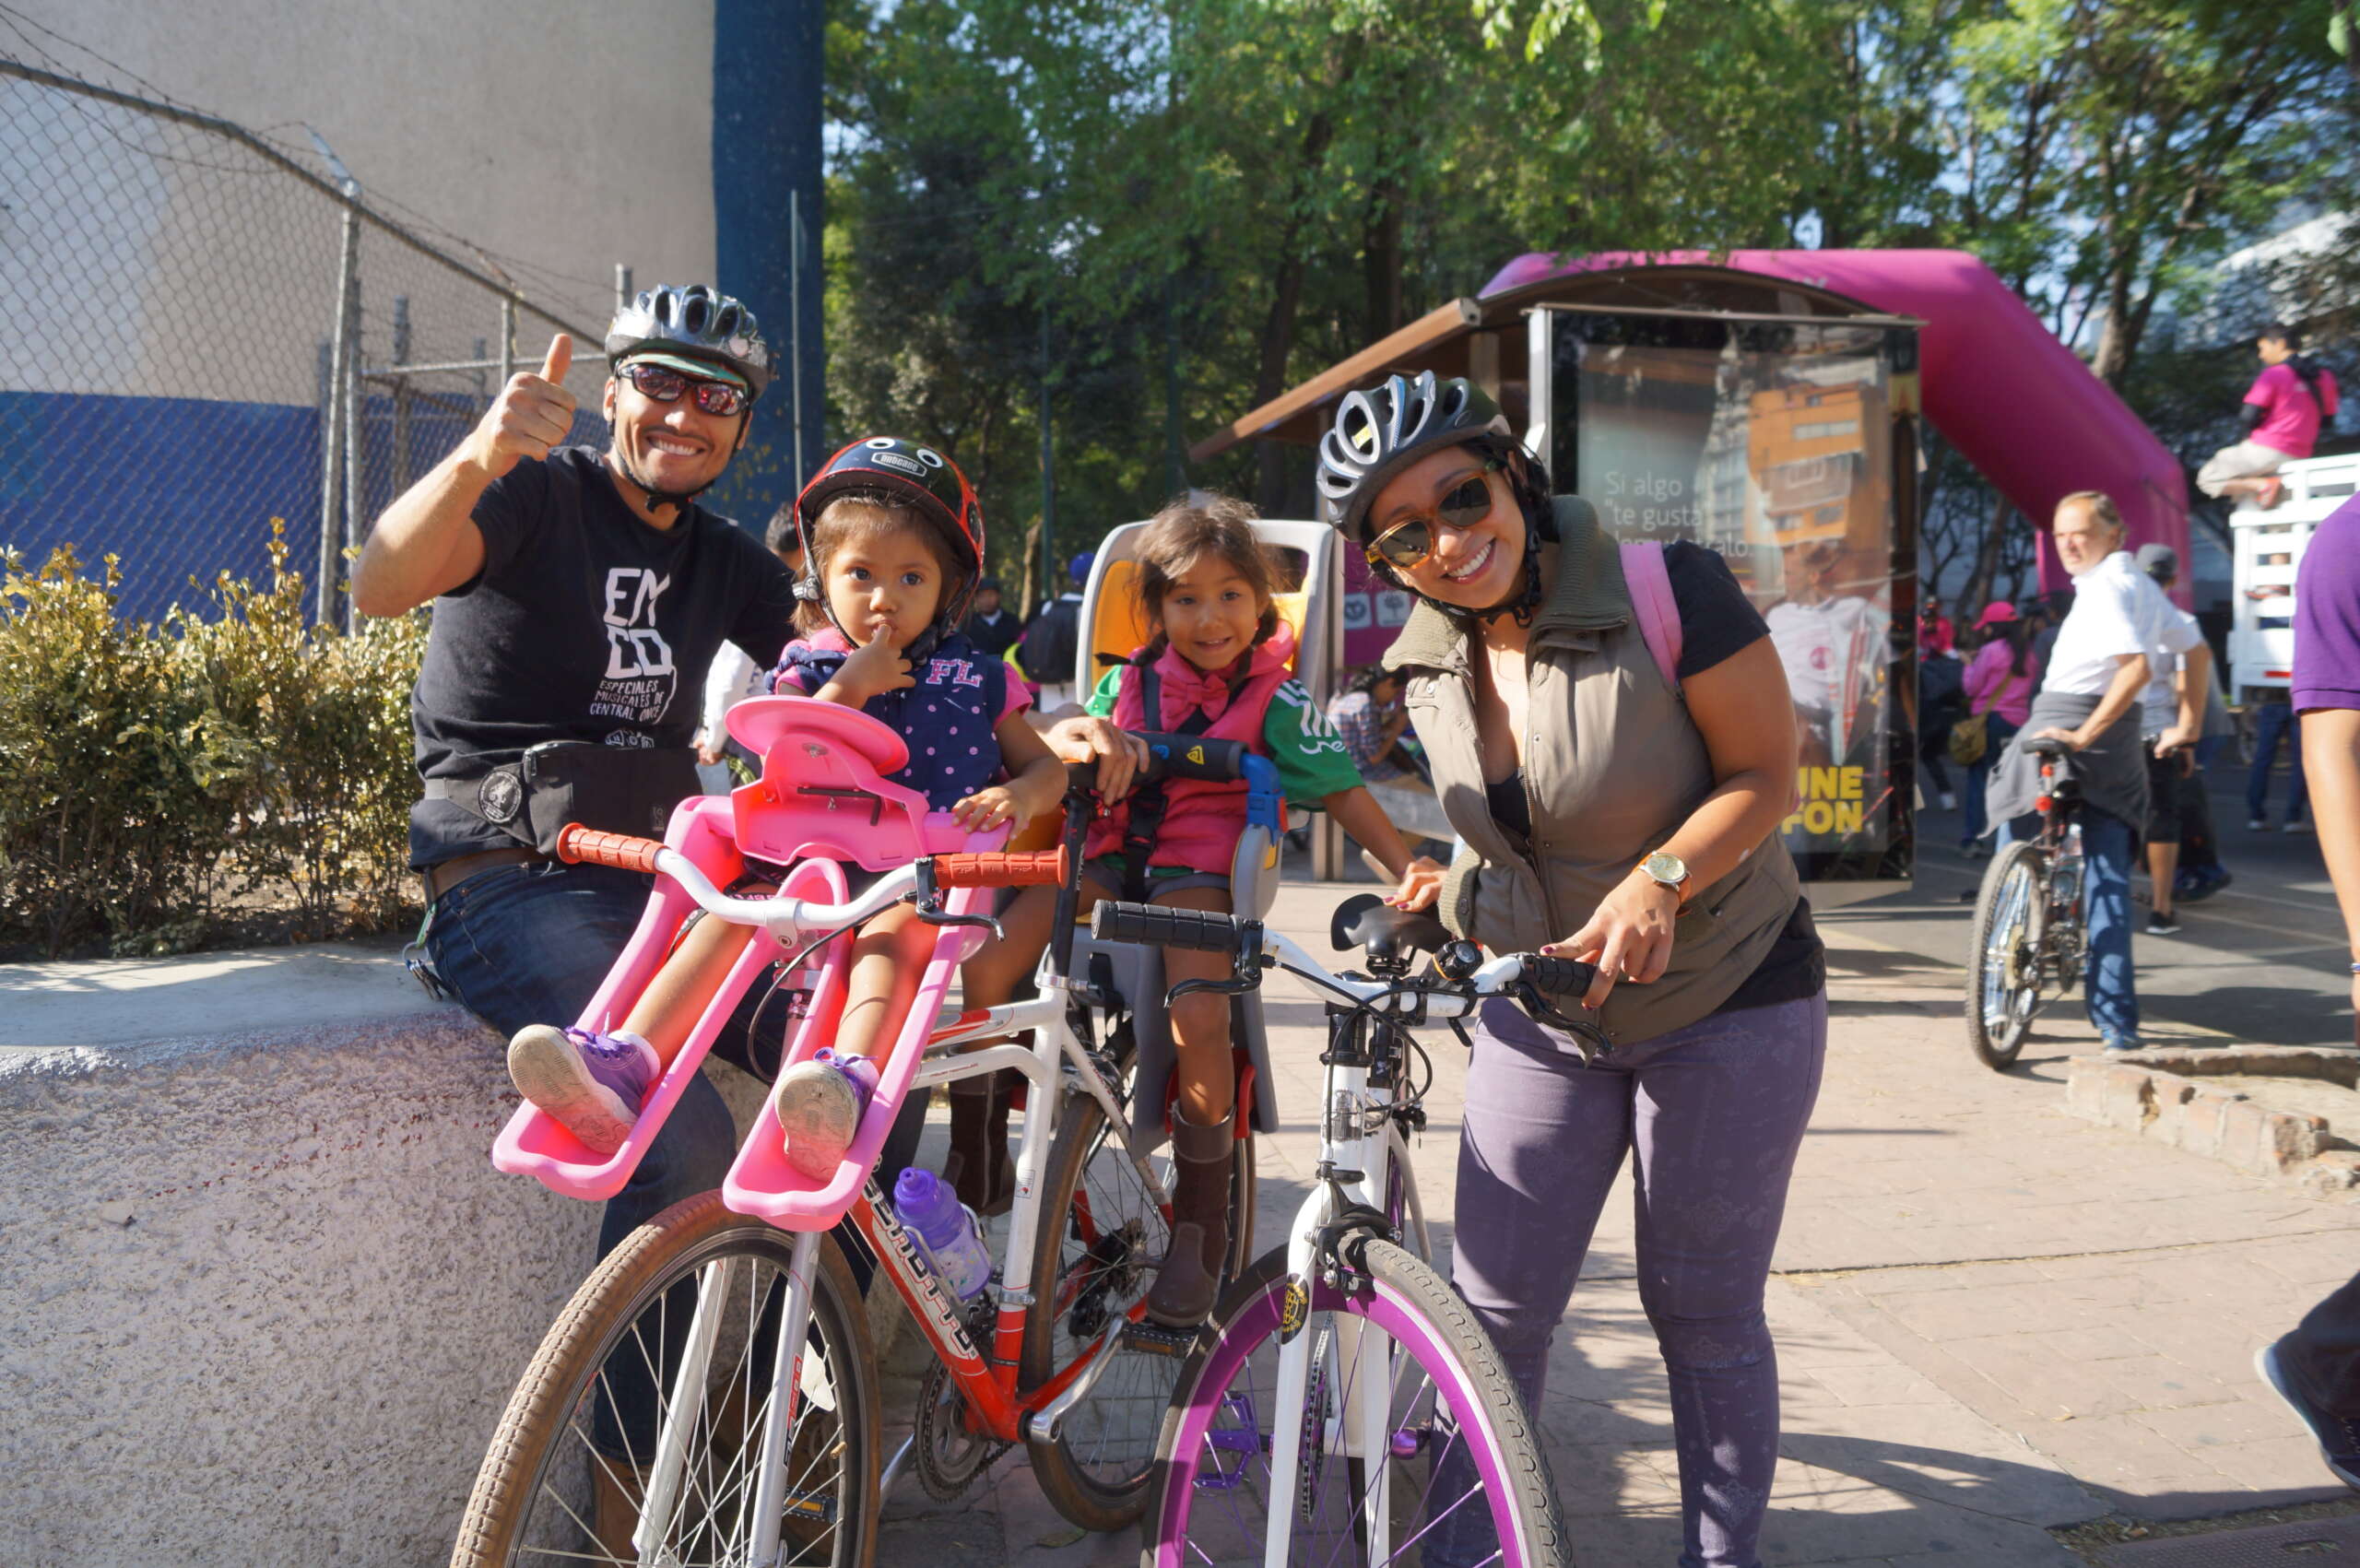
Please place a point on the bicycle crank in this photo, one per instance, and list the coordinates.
(948, 1456)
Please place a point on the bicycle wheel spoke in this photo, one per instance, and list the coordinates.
(692, 1392)
(1392, 1468)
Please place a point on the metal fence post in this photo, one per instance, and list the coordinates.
(622, 288)
(401, 396)
(341, 354)
(355, 433)
(794, 321)
(507, 340)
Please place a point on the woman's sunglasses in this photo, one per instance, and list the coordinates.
(1411, 542)
(658, 385)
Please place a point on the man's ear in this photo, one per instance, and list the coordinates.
(606, 400)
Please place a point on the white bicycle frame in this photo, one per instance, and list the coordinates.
(1054, 1062)
(1357, 1134)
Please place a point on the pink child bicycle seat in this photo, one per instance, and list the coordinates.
(822, 790)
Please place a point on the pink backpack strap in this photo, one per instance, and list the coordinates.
(1659, 612)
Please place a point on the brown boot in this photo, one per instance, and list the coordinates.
(979, 1168)
(616, 1488)
(1190, 1278)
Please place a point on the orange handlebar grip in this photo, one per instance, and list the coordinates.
(998, 870)
(576, 844)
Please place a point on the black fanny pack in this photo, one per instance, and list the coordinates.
(615, 789)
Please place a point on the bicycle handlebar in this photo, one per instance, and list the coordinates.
(1194, 757)
(1207, 931)
(1558, 976)
(577, 844)
(1147, 926)
(1000, 869)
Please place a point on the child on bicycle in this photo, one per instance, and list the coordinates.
(1219, 665)
(894, 544)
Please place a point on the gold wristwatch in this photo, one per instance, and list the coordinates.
(1668, 870)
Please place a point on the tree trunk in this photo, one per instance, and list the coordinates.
(1986, 560)
(1031, 565)
(1381, 259)
(1286, 293)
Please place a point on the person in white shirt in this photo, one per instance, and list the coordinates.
(2114, 640)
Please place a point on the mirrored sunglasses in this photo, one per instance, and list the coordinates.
(658, 385)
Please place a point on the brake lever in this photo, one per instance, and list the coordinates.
(936, 917)
(1589, 1040)
(1221, 987)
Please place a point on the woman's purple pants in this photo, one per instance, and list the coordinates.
(1716, 1113)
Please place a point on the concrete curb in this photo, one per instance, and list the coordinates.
(2162, 1094)
(267, 1296)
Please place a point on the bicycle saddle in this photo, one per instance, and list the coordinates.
(2046, 747)
(1365, 920)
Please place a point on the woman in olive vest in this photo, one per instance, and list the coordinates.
(1617, 816)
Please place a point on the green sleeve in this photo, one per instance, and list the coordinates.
(1310, 755)
(1102, 699)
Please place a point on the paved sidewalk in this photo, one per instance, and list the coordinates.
(1993, 1319)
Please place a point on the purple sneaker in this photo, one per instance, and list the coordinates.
(818, 1104)
(590, 1084)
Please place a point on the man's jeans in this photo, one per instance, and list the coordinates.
(532, 944)
(2112, 993)
(2277, 722)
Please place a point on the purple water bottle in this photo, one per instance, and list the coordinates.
(950, 1235)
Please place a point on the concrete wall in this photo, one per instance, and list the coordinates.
(262, 1296)
(568, 134)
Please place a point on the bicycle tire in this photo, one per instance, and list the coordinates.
(1096, 1473)
(1414, 1308)
(520, 1510)
(2014, 889)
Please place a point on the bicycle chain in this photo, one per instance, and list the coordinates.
(948, 1457)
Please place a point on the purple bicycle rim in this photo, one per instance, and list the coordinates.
(1258, 1323)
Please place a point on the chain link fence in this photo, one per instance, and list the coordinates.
(201, 332)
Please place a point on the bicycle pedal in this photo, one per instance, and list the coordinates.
(1155, 1340)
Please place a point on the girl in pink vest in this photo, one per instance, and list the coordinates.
(1219, 663)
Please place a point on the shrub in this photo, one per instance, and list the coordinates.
(229, 774)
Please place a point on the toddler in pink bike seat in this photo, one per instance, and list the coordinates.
(893, 547)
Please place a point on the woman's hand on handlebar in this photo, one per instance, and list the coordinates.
(1420, 884)
(1119, 756)
(1629, 937)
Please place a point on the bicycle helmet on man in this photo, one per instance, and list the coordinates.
(697, 332)
(1380, 430)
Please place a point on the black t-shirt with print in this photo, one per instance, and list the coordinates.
(586, 623)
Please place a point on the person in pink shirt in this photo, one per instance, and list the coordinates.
(1935, 634)
(2283, 410)
(2000, 679)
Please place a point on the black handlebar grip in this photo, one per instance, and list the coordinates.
(1194, 757)
(1561, 977)
(1147, 925)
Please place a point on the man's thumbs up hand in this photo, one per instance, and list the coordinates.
(531, 415)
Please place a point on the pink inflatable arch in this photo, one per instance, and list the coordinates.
(1999, 387)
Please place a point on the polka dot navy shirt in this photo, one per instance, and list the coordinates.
(948, 718)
